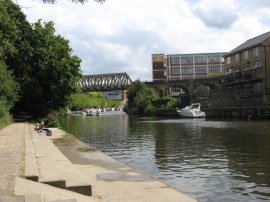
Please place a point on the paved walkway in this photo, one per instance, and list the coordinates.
(110, 180)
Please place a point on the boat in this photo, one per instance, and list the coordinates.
(192, 111)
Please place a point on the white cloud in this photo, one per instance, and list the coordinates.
(221, 14)
(121, 35)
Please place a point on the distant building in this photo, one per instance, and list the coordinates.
(159, 71)
(187, 66)
(247, 68)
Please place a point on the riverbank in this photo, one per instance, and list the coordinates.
(110, 180)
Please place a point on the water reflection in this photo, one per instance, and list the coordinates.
(211, 160)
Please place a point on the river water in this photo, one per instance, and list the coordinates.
(209, 159)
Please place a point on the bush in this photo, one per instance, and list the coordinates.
(134, 111)
(149, 110)
(52, 120)
(5, 118)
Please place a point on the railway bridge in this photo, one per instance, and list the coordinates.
(105, 82)
(189, 86)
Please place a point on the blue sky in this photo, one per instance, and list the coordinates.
(120, 35)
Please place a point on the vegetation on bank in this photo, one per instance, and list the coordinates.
(38, 72)
(92, 99)
(144, 100)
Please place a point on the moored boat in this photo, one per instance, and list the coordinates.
(192, 111)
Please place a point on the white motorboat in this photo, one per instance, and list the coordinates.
(191, 111)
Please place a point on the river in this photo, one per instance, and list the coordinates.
(209, 159)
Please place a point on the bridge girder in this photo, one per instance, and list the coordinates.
(104, 82)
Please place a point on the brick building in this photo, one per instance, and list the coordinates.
(247, 69)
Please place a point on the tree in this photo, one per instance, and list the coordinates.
(54, 71)
(41, 61)
(8, 87)
(140, 96)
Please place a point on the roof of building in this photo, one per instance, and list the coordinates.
(251, 42)
(196, 54)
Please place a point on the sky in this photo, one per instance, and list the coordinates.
(121, 35)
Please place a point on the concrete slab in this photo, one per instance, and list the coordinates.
(55, 169)
(49, 193)
(31, 172)
(33, 198)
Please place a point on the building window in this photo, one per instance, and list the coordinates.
(246, 54)
(165, 73)
(201, 76)
(228, 60)
(215, 68)
(175, 70)
(176, 89)
(229, 71)
(187, 60)
(187, 70)
(222, 59)
(213, 59)
(256, 64)
(174, 78)
(237, 57)
(201, 69)
(257, 87)
(175, 60)
(246, 67)
(185, 77)
(256, 51)
(200, 59)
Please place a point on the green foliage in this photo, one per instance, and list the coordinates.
(92, 99)
(52, 120)
(144, 100)
(5, 117)
(149, 110)
(41, 61)
(140, 96)
(8, 87)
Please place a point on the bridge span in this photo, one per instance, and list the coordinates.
(105, 82)
(189, 86)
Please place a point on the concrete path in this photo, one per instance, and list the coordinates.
(109, 179)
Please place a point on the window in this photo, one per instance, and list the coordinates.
(257, 87)
(256, 65)
(186, 60)
(176, 89)
(185, 77)
(215, 68)
(237, 57)
(165, 73)
(229, 71)
(201, 69)
(174, 78)
(201, 76)
(187, 70)
(175, 60)
(200, 59)
(246, 67)
(228, 60)
(175, 70)
(256, 51)
(246, 54)
(213, 59)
